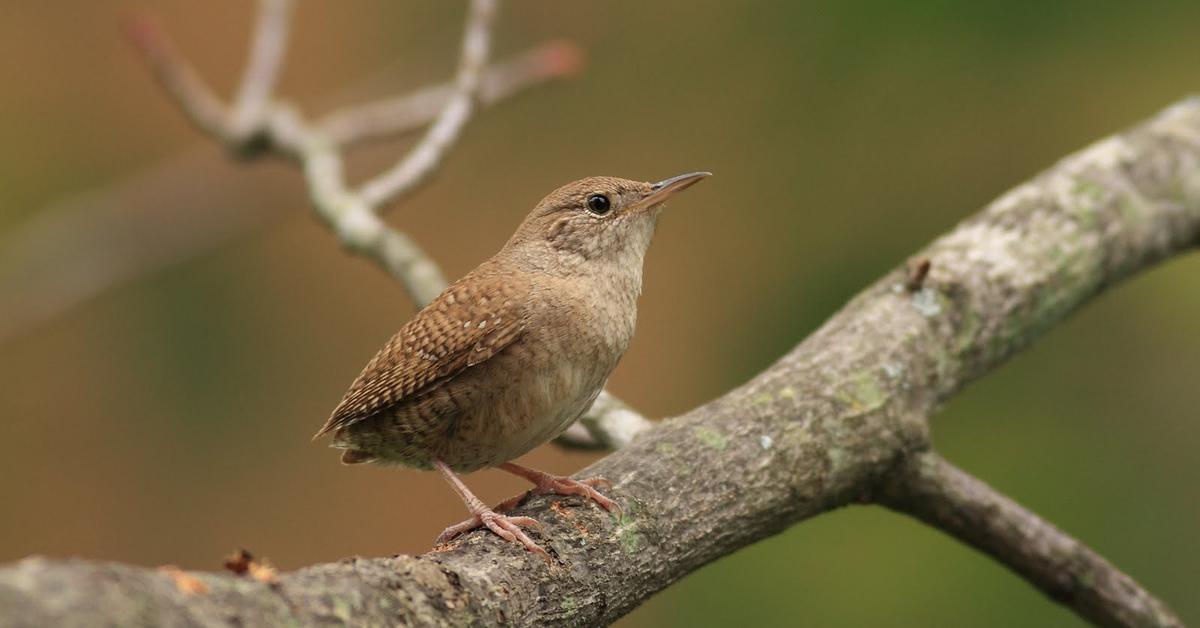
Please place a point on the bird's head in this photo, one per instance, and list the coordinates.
(596, 220)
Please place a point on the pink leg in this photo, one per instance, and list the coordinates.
(506, 527)
(547, 484)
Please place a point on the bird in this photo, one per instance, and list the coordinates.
(511, 354)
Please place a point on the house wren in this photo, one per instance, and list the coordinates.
(507, 357)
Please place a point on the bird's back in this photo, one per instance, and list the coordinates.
(465, 326)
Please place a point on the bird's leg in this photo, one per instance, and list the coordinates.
(505, 526)
(546, 484)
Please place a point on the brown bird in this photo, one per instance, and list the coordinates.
(507, 357)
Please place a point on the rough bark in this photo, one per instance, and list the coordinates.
(836, 420)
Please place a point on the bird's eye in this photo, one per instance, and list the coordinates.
(598, 204)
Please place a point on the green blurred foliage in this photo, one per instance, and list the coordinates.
(168, 421)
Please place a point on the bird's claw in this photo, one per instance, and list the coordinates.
(557, 485)
(507, 527)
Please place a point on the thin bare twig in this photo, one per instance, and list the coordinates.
(179, 79)
(262, 71)
(286, 131)
(612, 422)
(931, 489)
(236, 125)
(350, 125)
(609, 424)
(421, 161)
(578, 437)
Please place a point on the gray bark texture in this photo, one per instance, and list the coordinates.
(842, 418)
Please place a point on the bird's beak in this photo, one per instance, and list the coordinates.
(661, 191)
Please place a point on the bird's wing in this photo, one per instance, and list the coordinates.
(465, 325)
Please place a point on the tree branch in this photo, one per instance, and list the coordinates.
(825, 426)
(936, 492)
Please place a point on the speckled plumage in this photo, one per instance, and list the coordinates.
(510, 355)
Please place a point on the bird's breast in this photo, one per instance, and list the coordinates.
(543, 390)
(537, 386)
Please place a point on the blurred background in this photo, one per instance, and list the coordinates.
(168, 420)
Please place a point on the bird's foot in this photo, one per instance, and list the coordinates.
(506, 527)
(560, 485)
(546, 484)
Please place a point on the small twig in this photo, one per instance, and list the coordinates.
(262, 70)
(286, 131)
(578, 437)
(350, 125)
(178, 77)
(931, 489)
(609, 424)
(421, 161)
(918, 269)
(612, 423)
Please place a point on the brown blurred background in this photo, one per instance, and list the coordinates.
(168, 421)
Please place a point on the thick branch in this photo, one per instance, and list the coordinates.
(936, 492)
(820, 428)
